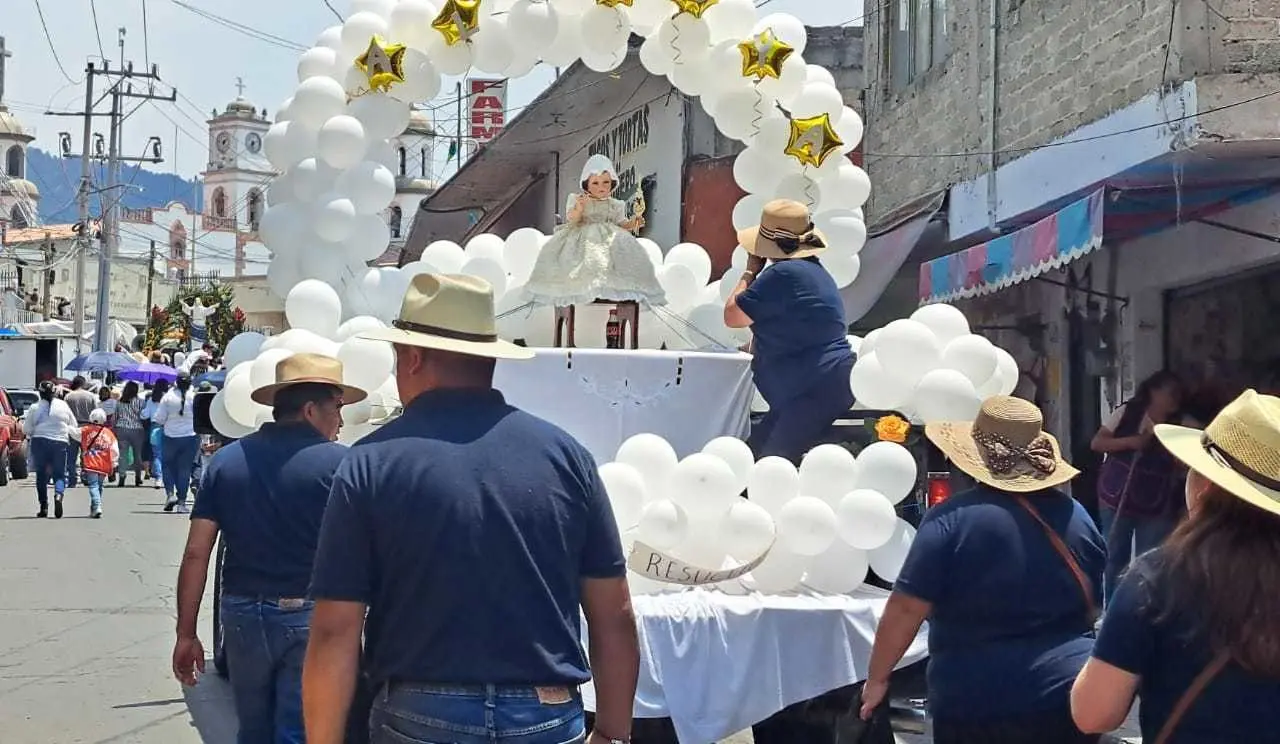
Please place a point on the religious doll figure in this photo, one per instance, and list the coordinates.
(594, 255)
(199, 314)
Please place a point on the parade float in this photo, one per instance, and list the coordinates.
(770, 589)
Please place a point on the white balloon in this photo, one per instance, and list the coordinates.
(222, 421)
(739, 112)
(411, 20)
(331, 37)
(369, 185)
(865, 519)
(746, 213)
(317, 100)
(663, 525)
(816, 99)
(848, 187)
(692, 256)
(421, 80)
(567, 45)
(357, 414)
(311, 178)
(875, 387)
(626, 493)
(843, 267)
(450, 60)
(334, 217)
(365, 363)
(654, 57)
(945, 321)
(806, 525)
(242, 409)
(1009, 371)
(492, 48)
(849, 129)
(381, 8)
(317, 61)
(288, 142)
(888, 468)
(652, 250)
(828, 472)
(313, 306)
(342, 142)
(445, 255)
(753, 171)
(789, 29)
(786, 86)
(799, 187)
(281, 227)
(489, 270)
(887, 560)
(908, 345)
(972, 356)
(520, 253)
(604, 61)
(647, 14)
(686, 37)
(655, 460)
(839, 570)
(604, 29)
(369, 238)
(730, 20)
(537, 22)
(946, 395)
(746, 530)
(844, 230)
(704, 487)
(486, 245)
(242, 348)
(680, 285)
(358, 32)
(736, 454)
(263, 370)
(708, 328)
(380, 115)
(357, 325)
(781, 571)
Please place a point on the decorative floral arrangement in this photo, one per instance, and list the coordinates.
(170, 323)
(892, 428)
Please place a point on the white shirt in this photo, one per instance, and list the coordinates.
(178, 420)
(51, 420)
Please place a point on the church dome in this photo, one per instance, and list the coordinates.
(19, 187)
(10, 126)
(420, 123)
(240, 107)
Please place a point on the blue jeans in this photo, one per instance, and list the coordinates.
(73, 463)
(794, 426)
(179, 455)
(442, 714)
(94, 482)
(49, 456)
(155, 436)
(1127, 538)
(265, 645)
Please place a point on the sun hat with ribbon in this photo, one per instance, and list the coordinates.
(1005, 447)
(1239, 450)
(785, 231)
(449, 312)
(307, 368)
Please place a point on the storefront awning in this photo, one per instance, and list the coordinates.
(1048, 244)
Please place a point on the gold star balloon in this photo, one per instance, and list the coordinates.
(457, 20)
(382, 64)
(812, 140)
(615, 3)
(763, 55)
(694, 8)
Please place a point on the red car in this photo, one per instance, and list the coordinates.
(13, 442)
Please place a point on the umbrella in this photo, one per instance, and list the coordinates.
(149, 372)
(217, 378)
(102, 361)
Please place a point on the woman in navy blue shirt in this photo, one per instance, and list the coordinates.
(1009, 576)
(1194, 627)
(802, 355)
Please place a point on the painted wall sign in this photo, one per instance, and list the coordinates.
(488, 108)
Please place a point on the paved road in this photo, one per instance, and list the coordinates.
(86, 627)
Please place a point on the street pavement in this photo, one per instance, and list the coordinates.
(86, 627)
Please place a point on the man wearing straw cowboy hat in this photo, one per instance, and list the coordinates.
(802, 355)
(472, 533)
(266, 494)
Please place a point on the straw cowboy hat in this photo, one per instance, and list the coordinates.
(1239, 450)
(785, 231)
(449, 312)
(1005, 447)
(304, 368)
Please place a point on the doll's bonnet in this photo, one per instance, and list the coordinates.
(596, 165)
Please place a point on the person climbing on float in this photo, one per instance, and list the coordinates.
(793, 308)
(594, 255)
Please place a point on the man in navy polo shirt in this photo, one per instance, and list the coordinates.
(266, 494)
(473, 534)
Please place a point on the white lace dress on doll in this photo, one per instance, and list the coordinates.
(594, 260)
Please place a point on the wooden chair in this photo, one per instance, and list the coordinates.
(628, 316)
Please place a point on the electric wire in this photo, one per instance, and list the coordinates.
(56, 59)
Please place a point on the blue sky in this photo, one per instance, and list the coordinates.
(203, 59)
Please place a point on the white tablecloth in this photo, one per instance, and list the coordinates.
(604, 396)
(715, 663)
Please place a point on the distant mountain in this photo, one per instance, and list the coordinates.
(58, 180)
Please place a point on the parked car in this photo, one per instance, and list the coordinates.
(22, 399)
(13, 442)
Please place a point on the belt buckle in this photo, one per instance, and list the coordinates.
(553, 695)
(291, 603)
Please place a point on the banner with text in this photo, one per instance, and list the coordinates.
(659, 566)
(488, 108)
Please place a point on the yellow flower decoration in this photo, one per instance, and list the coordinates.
(382, 64)
(615, 3)
(892, 429)
(694, 8)
(763, 55)
(812, 140)
(457, 20)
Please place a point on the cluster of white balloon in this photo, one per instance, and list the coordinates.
(314, 312)
(331, 139)
(822, 525)
(930, 367)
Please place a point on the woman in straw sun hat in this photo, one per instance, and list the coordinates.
(793, 307)
(1009, 576)
(1194, 627)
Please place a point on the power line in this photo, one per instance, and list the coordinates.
(146, 41)
(241, 28)
(57, 60)
(93, 8)
(335, 12)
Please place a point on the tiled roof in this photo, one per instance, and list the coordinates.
(14, 236)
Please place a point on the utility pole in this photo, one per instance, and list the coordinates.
(46, 285)
(86, 235)
(151, 281)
